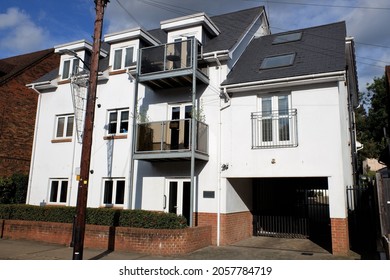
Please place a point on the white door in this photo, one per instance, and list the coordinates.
(177, 197)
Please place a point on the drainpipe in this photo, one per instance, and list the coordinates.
(132, 175)
(193, 130)
(34, 144)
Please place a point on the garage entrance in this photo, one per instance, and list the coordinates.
(292, 208)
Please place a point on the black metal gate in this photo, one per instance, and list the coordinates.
(362, 219)
(291, 208)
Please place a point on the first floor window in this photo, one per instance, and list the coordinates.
(275, 124)
(64, 126)
(118, 121)
(123, 58)
(58, 190)
(114, 191)
(70, 66)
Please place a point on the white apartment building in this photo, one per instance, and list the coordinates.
(212, 118)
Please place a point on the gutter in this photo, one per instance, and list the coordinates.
(291, 81)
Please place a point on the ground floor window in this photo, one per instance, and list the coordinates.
(114, 191)
(58, 191)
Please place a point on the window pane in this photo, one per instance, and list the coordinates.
(75, 68)
(64, 191)
(277, 61)
(129, 56)
(284, 129)
(65, 70)
(283, 104)
(112, 122)
(60, 127)
(53, 191)
(118, 59)
(69, 127)
(287, 38)
(266, 106)
(108, 192)
(267, 130)
(124, 122)
(120, 192)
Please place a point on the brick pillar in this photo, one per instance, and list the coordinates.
(340, 236)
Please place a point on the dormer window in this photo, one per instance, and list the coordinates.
(123, 58)
(70, 67)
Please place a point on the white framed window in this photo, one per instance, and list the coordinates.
(118, 121)
(114, 191)
(64, 126)
(58, 192)
(274, 125)
(69, 67)
(124, 58)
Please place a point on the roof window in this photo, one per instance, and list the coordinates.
(278, 61)
(285, 38)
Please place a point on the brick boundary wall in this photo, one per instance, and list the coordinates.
(234, 226)
(163, 242)
(340, 236)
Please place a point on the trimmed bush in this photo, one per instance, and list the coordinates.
(94, 216)
(148, 219)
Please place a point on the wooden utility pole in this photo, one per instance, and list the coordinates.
(82, 194)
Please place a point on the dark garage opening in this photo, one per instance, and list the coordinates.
(292, 208)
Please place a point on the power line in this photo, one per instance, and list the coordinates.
(127, 11)
(323, 5)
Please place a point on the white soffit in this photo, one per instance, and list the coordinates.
(191, 20)
(130, 34)
(77, 46)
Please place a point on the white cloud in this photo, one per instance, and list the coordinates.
(20, 33)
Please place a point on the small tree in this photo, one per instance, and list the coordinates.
(13, 189)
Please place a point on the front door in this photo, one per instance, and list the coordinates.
(177, 197)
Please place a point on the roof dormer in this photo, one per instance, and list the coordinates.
(198, 25)
(124, 47)
(75, 57)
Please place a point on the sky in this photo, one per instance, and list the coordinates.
(32, 25)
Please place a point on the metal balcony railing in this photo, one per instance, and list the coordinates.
(170, 136)
(274, 129)
(168, 57)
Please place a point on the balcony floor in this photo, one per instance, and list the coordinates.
(170, 156)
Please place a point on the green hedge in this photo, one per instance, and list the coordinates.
(95, 216)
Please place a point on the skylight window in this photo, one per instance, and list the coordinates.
(285, 38)
(278, 61)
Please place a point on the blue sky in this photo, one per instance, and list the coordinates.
(31, 25)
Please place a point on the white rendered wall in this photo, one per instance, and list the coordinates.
(322, 147)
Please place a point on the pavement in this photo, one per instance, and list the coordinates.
(254, 248)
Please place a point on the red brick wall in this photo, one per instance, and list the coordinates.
(234, 226)
(18, 106)
(340, 236)
(149, 241)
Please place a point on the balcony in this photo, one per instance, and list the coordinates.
(274, 129)
(170, 141)
(171, 65)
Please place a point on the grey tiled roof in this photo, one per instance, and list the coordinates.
(320, 50)
(232, 26)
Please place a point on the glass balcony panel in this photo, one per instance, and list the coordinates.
(170, 136)
(172, 56)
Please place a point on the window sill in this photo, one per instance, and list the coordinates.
(112, 137)
(63, 82)
(117, 72)
(65, 140)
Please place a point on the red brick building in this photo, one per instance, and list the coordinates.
(18, 107)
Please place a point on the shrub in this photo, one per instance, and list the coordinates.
(94, 216)
(13, 189)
